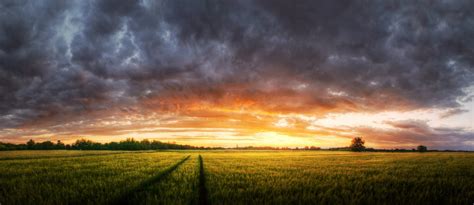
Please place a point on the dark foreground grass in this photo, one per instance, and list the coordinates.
(227, 177)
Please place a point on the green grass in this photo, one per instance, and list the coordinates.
(228, 177)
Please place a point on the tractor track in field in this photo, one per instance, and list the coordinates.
(127, 196)
(203, 193)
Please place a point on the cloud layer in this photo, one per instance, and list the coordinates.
(66, 61)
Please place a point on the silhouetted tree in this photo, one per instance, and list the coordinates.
(315, 148)
(84, 144)
(357, 144)
(45, 145)
(422, 148)
(60, 145)
(30, 144)
(3, 147)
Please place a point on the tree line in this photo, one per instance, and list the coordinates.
(85, 144)
(357, 145)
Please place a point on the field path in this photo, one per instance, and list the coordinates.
(203, 200)
(127, 196)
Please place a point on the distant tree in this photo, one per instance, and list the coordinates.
(130, 144)
(3, 147)
(421, 148)
(315, 148)
(84, 144)
(30, 144)
(60, 145)
(369, 149)
(357, 144)
(45, 145)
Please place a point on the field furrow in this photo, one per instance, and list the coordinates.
(203, 193)
(178, 187)
(131, 195)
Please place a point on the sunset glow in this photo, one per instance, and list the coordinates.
(244, 73)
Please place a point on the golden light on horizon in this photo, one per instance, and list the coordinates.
(205, 125)
(297, 72)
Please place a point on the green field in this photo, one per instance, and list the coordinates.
(231, 177)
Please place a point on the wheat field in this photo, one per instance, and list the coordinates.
(235, 177)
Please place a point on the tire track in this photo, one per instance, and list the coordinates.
(203, 193)
(127, 197)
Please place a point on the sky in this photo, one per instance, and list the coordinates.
(239, 72)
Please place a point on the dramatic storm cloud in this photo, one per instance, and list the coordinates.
(210, 71)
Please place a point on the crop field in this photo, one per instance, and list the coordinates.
(232, 177)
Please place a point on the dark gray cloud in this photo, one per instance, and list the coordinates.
(71, 57)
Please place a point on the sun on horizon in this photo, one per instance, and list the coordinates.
(251, 73)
